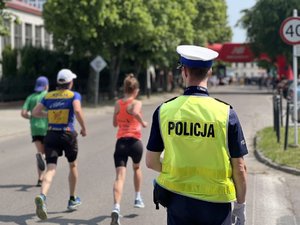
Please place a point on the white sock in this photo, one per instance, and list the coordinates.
(138, 195)
(116, 207)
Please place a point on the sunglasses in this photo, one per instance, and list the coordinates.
(179, 66)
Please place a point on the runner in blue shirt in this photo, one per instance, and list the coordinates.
(62, 106)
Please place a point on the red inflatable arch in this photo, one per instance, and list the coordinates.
(241, 52)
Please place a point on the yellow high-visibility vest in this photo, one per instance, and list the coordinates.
(196, 159)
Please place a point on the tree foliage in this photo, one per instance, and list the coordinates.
(211, 23)
(262, 23)
(138, 31)
(3, 15)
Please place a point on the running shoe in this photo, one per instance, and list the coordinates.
(138, 203)
(40, 161)
(115, 217)
(73, 204)
(41, 209)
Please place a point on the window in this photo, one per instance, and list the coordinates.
(47, 40)
(28, 34)
(18, 35)
(38, 36)
(36, 3)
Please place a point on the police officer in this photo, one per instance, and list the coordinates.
(203, 170)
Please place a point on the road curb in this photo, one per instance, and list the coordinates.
(263, 159)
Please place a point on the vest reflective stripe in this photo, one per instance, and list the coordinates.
(196, 160)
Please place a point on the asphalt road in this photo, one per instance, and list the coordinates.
(273, 196)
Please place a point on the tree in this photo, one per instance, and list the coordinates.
(106, 27)
(139, 31)
(3, 29)
(211, 23)
(172, 23)
(4, 17)
(262, 23)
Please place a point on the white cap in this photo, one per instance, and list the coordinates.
(196, 56)
(65, 76)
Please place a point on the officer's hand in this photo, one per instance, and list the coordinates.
(239, 214)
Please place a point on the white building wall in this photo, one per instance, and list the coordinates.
(25, 18)
(249, 70)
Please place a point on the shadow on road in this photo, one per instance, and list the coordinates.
(27, 219)
(19, 187)
(20, 220)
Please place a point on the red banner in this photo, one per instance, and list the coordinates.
(241, 52)
(234, 52)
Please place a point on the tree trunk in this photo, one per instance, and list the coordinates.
(115, 66)
(92, 89)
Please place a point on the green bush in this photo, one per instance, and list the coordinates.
(16, 84)
(9, 62)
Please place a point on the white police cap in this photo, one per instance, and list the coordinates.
(195, 56)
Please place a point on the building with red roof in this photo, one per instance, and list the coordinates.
(26, 27)
(30, 29)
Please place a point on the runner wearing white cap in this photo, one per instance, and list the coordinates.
(62, 106)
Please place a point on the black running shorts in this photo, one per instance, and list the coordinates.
(38, 138)
(128, 147)
(57, 142)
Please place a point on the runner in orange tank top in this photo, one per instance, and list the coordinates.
(128, 124)
(128, 118)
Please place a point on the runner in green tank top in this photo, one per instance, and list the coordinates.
(38, 126)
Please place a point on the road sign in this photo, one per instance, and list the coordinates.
(297, 53)
(98, 64)
(290, 30)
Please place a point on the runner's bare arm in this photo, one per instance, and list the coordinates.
(116, 111)
(136, 112)
(39, 112)
(79, 116)
(25, 114)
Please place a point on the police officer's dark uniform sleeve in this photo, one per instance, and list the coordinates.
(236, 140)
(155, 142)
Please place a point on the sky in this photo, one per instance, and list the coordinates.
(233, 10)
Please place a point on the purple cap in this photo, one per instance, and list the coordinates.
(41, 83)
